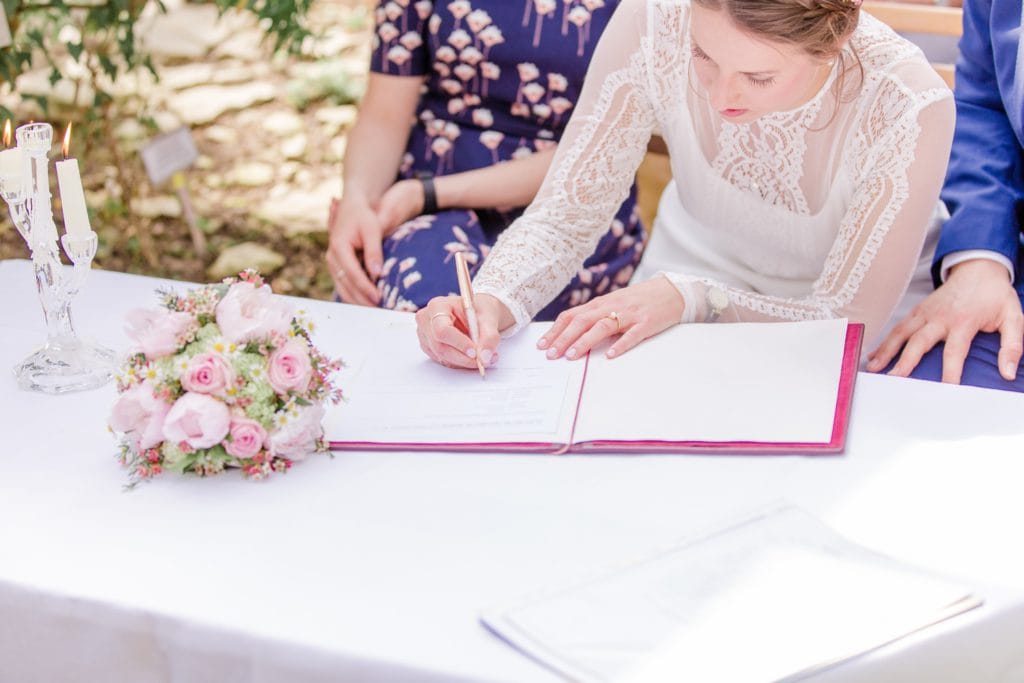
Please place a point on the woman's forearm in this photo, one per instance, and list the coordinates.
(372, 157)
(378, 139)
(505, 185)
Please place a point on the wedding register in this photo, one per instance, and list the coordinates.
(764, 387)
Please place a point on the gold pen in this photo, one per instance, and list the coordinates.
(466, 291)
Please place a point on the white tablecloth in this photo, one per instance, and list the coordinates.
(372, 567)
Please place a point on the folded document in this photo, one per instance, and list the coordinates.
(776, 596)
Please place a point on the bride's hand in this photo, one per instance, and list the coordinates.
(443, 332)
(635, 312)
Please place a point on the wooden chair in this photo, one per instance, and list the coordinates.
(651, 179)
(907, 17)
(920, 19)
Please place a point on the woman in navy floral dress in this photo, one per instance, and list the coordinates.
(487, 87)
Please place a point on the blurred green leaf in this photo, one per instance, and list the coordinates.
(109, 41)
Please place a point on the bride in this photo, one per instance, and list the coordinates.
(808, 144)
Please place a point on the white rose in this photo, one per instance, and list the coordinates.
(299, 435)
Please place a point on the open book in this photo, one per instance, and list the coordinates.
(765, 387)
(773, 596)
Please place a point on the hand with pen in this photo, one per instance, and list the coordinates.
(443, 328)
(631, 314)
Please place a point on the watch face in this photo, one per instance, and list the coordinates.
(717, 299)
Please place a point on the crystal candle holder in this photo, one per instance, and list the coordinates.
(65, 362)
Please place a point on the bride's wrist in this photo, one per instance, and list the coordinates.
(500, 311)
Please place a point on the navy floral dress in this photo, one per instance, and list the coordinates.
(502, 79)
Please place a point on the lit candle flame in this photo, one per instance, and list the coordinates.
(67, 141)
(7, 133)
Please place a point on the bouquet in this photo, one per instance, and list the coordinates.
(225, 376)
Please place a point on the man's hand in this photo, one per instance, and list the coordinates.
(977, 297)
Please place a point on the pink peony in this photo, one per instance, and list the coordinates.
(247, 437)
(140, 415)
(198, 420)
(207, 373)
(248, 313)
(299, 435)
(157, 332)
(289, 368)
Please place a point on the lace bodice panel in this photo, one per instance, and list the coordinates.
(812, 213)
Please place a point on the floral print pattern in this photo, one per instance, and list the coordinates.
(501, 81)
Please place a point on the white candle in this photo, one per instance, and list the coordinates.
(12, 164)
(72, 198)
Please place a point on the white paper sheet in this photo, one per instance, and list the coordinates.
(762, 382)
(749, 602)
(398, 395)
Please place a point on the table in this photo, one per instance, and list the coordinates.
(374, 566)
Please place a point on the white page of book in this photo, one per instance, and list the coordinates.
(774, 597)
(398, 395)
(761, 382)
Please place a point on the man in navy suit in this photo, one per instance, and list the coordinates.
(970, 328)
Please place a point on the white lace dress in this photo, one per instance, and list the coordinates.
(817, 212)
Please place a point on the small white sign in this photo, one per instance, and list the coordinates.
(5, 28)
(167, 154)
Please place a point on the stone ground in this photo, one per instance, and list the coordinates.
(270, 131)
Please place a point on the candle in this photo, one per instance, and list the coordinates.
(12, 164)
(72, 196)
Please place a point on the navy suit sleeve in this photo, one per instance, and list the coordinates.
(984, 187)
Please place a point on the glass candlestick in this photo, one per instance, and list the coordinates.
(65, 362)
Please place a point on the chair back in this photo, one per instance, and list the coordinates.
(921, 20)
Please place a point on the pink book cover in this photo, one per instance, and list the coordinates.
(835, 445)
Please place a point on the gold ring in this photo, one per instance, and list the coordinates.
(438, 315)
(618, 323)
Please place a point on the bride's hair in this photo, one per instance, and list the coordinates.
(817, 26)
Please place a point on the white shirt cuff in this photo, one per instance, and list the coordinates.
(956, 257)
(687, 289)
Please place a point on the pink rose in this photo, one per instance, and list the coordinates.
(247, 313)
(198, 420)
(207, 373)
(299, 435)
(139, 415)
(247, 437)
(157, 332)
(289, 368)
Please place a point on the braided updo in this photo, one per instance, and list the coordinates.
(817, 26)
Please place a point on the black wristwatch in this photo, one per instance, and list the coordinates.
(429, 195)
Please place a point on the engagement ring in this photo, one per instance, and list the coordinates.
(618, 323)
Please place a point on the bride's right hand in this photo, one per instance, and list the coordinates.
(443, 331)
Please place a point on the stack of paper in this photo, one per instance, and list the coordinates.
(775, 596)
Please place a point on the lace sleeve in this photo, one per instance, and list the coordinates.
(898, 157)
(589, 178)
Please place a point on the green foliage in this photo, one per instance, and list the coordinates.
(282, 19)
(99, 36)
(326, 80)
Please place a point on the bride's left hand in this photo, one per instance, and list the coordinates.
(635, 312)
